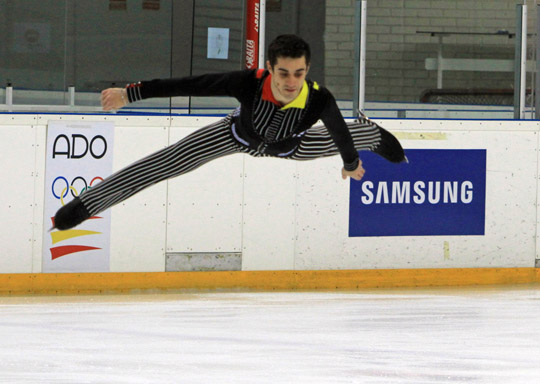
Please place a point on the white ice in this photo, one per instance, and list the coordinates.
(482, 335)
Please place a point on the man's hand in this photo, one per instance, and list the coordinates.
(113, 98)
(357, 174)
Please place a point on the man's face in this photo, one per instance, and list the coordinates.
(288, 77)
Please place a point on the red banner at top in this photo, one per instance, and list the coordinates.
(252, 33)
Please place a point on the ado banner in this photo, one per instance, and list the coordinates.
(439, 192)
(79, 155)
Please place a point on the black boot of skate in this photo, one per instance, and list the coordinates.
(71, 215)
(390, 148)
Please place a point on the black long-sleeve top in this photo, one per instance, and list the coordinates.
(259, 123)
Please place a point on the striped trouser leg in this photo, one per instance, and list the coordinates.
(317, 142)
(198, 148)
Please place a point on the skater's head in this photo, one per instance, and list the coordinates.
(288, 64)
(288, 46)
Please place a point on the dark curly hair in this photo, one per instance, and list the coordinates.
(288, 46)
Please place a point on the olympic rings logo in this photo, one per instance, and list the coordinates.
(77, 182)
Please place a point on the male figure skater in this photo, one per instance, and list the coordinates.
(276, 117)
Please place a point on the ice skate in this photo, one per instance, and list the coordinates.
(70, 215)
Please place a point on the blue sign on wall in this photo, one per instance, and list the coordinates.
(439, 192)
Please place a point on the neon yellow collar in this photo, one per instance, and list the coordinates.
(300, 100)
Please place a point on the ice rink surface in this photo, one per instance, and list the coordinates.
(474, 335)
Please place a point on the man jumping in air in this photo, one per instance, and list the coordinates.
(278, 111)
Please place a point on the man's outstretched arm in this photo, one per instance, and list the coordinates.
(357, 174)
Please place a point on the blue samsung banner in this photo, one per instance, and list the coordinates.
(439, 192)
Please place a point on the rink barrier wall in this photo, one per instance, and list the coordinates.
(104, 283)
(88, 283)
(305, 205)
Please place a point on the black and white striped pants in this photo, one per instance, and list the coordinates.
(207, 144)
